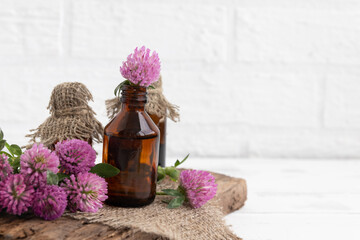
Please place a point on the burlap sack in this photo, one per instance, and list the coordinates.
(71, 117)
(156, 104)
(159, 222)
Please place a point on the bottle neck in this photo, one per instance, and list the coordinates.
(133, 97)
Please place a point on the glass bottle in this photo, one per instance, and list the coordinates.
(131, 143)
(162, 127)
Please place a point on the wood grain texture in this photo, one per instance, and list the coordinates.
(231, 196)
(232, 192)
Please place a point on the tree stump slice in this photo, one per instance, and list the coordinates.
(231, 196)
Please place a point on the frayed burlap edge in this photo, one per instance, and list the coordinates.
(157, 104)
(71, 117)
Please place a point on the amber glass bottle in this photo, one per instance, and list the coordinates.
(162, 127)
(131, 143)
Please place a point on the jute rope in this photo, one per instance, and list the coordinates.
(157, 104)
(71, 116)
(184, 223)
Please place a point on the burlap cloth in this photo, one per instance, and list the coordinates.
(185, 223)
(71, 117)
(156, 104)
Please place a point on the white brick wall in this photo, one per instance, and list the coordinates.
(253, 78)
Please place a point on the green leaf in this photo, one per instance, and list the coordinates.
(52, 178)
(177, 163)
(62, 176)
(15, 163)
(16, 150)
(173, 173)
(161, 173)
(1, 134)
(105, 170)
(9, 148)
(151, 87)
(166, 200)
(118, 88)
(10, 160)
(2, 144)
(172, 192)
(176, 202)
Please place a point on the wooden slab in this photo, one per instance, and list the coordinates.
(231, 196)
(232, 192)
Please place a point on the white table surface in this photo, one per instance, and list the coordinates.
(293, 199)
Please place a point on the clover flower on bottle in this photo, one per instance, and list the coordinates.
(141, 68)
(199, 186)
(35, 162)
(75, 156)
(15, 195)
(5, 168)
(86, 192)
(49, 202)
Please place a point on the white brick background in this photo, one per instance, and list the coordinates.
(253, 78)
